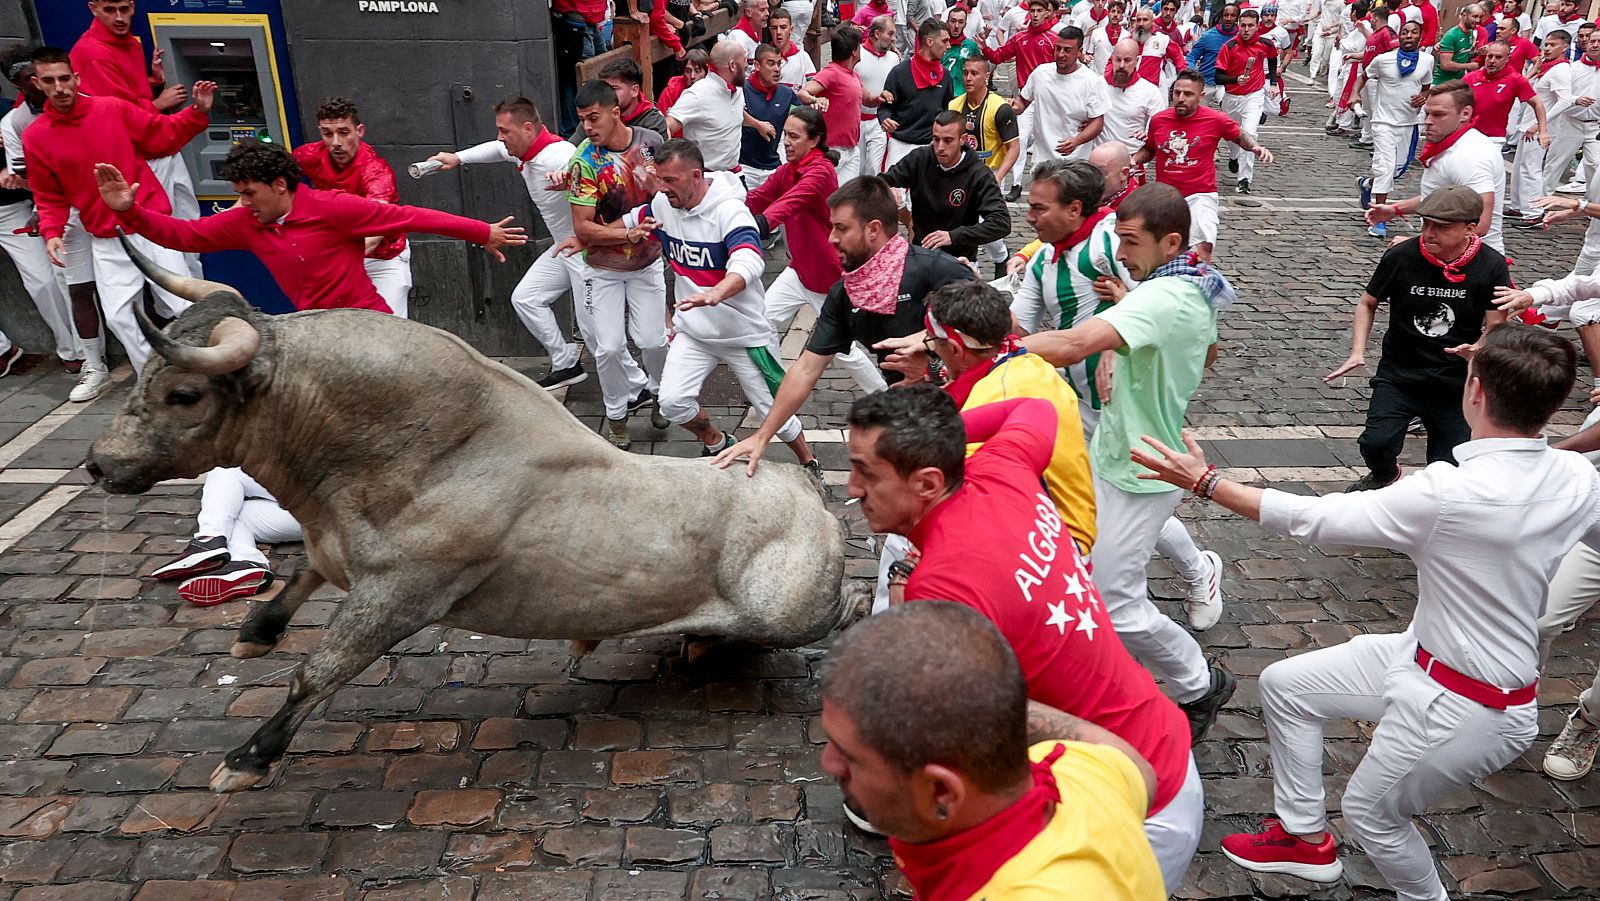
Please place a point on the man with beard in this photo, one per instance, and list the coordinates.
(876, 60)
(711, 112)
(1160, 57)
(1071, 100)
(1106, 35)
(882, 295)
(1397, 83)
(1554, 84)
(1457, 49)
(916, 91)
(1134, 101)
(1203, 55)
(1563, 15)
(1243, 66)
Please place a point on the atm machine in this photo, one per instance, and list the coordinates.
(240, 45)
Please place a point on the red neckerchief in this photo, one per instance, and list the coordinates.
(960, 389)
(874, 286)
(1564, 20)
(1452, 269)
(1082, 232)
(1135, 181)
(731, 88)
(956, 866)
(745, 26)
(793, 49)
(765, 92)
(1097, 14)
(1589, 62)
(1432, 149)
(1114, 35)
(1547, 65)
(867, 46)
(545, 139)
(926, 73)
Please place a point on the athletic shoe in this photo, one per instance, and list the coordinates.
(1531, 221)
(1370, 482)
(1379, 230)
(1202, 711)
(561, 378)
(1334, 131)
(235, 580)
(1359, 144)
(711, 450)
(1364, 185)
(658, 421)
(645, 398)
(202, 555)
(859, 821)
(1233, 166)
(617, 433)
(1283, 105)
(9, 360)
(813, 468)
(1205, 594)
(1415, 426)
(1276, 851)
(1571, 755)
(1572, 187)
(91, 385)
(1244, 186)
(73, 366)
(1015, 194)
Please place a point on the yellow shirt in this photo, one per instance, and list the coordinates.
(1068, 478)
(1094, 846)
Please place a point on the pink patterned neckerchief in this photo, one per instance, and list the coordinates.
(875, 286)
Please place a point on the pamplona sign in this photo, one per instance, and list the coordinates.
(397, 6)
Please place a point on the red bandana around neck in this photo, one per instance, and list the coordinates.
(545, 139)
(1432, 149)
(1114, 32)
(960, 388)
(1549, 64)
(1564, 20)
(925, 73)
(793, 49)
(1452, 269)
(1589, 62)
(875, 286)
(955, 867)
(1098, 14)
(1082, 233)
(745, 25)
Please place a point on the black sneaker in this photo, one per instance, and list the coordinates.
(1015, 194)
(646, 398)
(813, 468)
(202, 555)
(1202, 711)
(1233, 166)
(9, 360)
(711, 450)
(1359, 144)
(561, 378)
(1244, 186)
(1370, 482)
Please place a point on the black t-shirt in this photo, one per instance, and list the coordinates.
(839, 323)
(1428, 312)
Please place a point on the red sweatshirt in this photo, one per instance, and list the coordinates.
(367, 176)
(1031, 48)
(1231, 61)
(796, 197)
(62, 150)
(315, 253)
(112, 66)
(676, 85)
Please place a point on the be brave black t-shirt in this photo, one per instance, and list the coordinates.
(1428, 312)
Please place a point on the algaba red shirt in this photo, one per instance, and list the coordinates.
(111, 65)
(1492, 99)
(999, 546)
(63, 148)
(368, 175)
(315, 253)
(1185, 147)
(1233, 56)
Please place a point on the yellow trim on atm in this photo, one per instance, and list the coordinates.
(258, 20)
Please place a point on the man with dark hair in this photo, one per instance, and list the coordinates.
(1164, 332)
(1457, 52)
(1397, 85)
(542, 158)
(916, 91)
(766, 103)
(1454, 695)
(881, 296)
(875, 58)
(1069, 101)
(1203, 55)
(625, 77)
(1243, 66)
(991, 538)
(344, 161)
(1032, 47)
(956, 204)
(795, 67)
(840, 84)
(312, 241)
(75, 133)
(1440, 287)
(929, 732)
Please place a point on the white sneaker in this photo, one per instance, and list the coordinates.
(91, 385)
(1573, 187)
(1205, 595)
(1571, 755)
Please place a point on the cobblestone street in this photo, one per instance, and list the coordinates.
(468, 766)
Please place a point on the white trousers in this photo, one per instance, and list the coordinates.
(121, 285)
(536, 292)
(1177, 545)
(45, 283)
(235, 505)
(1017, 175)
(754, 178)
(1527, 175)
(1566, 139)
(1589, 257)
(1244, 109)
(874, 145)
(799, 14)
(849, 165)
(1336, 71)
(613, 307)
(1573, 590)
(1204, 213)
(1128, 525)
(174, 178)
(1323, 49)
(1390, 144)
(689, 362)
(1427, 742)
(392, 278)
(898, 150)
(1174, 830)
(785, 298)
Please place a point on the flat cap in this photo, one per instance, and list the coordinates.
(1455, 203)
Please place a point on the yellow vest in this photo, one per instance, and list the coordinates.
(986, 144)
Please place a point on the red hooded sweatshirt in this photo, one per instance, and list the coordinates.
(63, 148)
(367, 176)
(796, 197)
(109, 65)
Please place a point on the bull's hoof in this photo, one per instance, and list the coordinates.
(225, 779)
(580, 647)
(244, 650)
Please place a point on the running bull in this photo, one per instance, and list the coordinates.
(437, 486)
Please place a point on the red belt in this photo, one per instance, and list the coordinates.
(1470, 688)
(869, 117)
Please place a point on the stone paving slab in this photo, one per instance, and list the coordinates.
(464, 765)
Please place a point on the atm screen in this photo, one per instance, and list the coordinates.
(230, 62)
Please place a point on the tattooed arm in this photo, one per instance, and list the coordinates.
(1046, 723)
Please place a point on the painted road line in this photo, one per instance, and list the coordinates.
(17, 527)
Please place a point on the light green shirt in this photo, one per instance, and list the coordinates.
(1167, 327)
(1458, 44)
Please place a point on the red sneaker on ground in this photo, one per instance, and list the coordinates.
(1276, 851)
(237, 579)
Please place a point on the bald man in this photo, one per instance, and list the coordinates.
(711, 112)
(1133, 99)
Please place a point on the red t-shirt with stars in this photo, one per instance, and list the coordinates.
(998, 545)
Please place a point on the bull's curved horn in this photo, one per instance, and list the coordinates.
(191, 289)
(233, 344)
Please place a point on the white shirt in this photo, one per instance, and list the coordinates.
(1553, 23)
(1555, 90)
(1130, 111)
(11, 127)
(1585, 83)
(1278, 37)
(1391, 92)
(1475, 161)
(1062, 104)
(873, 72)
(1294, 12)
(1332, 14)
(712, 117)
(743, 40)
(1486, 536)
(552, 205)
(797, 69)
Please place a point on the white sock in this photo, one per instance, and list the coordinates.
(94, 352)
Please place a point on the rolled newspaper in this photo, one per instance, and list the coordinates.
(426, 167)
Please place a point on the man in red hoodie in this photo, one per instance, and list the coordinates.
(311, 241)
(109, 60)
(63, 145)
(344, 161)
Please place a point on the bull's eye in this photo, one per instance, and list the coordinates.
(183, 397)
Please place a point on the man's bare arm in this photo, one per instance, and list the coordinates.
(1046, 723)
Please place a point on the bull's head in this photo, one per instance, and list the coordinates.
(183, 417)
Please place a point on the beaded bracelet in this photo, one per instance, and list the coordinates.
(1209, 485)
(1209, 470)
